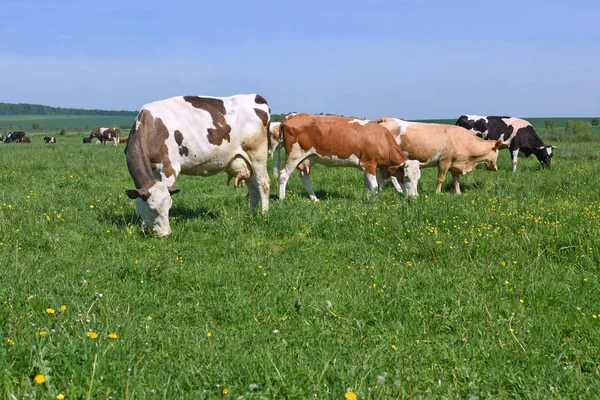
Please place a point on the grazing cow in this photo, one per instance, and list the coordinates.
(197, 136)
(1, 138)
(516, 134)
(343, 142)
(106, 135)
(87, 140)
(18, 137)
(49, 139)
(123, 139)
(449, 147)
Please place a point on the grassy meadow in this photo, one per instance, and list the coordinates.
(490, 294)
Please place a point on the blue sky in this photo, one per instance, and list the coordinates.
(407, 59)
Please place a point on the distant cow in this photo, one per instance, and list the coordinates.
(87, 140)
(1, 138)
(449, 147)
(49, 139)
(106, 135)
(516, 134)
(197, 136)
(123, 139)
(343, 142)
(18, 137)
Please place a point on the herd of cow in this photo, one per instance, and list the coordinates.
(20, 137)
(207, 135)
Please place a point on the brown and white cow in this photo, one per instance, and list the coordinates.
(449, 147)
(106, 135)
(343, 142)
(123, 139)
(197, 136)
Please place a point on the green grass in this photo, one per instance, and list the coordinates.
(492, 294)
(82, 123)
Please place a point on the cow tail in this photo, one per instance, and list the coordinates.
(279, 145)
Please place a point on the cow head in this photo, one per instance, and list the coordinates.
(408, 175)
(544, 155)
(412, 174)
(153, 205)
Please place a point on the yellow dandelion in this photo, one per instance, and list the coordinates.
(113, 335)
(506, 282)
(60, 396)
(42, 333)
(10, 341)
(394, 347)
(521, 301)
(39, 379)
(63, 308)
(208, 334)
(91, 206)
(350, 395)
(92, 335)
(149, 318)
(225, 391)
(50, 310)
(585, 279)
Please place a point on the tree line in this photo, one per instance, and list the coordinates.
(38, 109)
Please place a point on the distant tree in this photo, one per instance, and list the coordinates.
(595, 121)
(549, 124)
(62, 132)
(35, 125)
(580, 129)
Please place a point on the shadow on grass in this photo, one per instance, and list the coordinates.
(132, 218)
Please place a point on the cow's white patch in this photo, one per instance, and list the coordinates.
(404, 126)
(432, 162)
(477, 117)
(548, 149)
(362, 122)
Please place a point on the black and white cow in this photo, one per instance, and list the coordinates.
(106, 135)
(49, 139)
(517, 134)
(1, 138)
(18, 137)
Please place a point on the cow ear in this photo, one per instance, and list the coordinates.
(393, 169)
(173, 190)
(135, 193)
(498, 144)
(553, 147)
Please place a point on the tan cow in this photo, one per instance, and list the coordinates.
(343, 142)
(449, 147)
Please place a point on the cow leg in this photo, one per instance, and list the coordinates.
(258, 186)
(371, 180)
(397, 185)
(442, 169)
(380, 180)
(284, 175)
(456, 179)
(515, 157)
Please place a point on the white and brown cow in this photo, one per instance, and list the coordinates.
(516, 134)
(343, 142)
(49, 139)
(449, 147)
(197, 136)
(106, 135)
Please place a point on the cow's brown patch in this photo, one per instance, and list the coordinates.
(216, 109)
(260, 100)
(178, 137)
(263, 115)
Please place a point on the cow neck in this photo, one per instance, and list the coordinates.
(138, 161)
